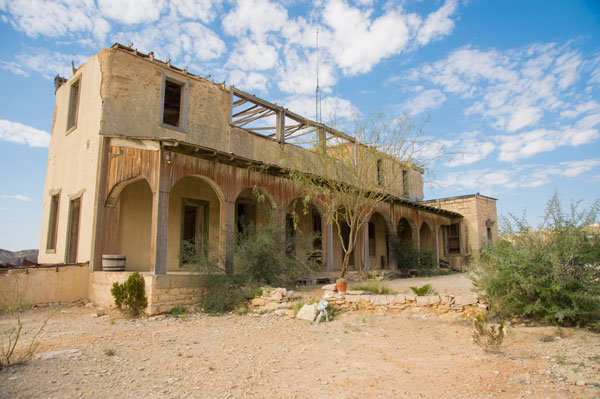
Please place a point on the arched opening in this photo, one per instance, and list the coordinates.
(426, 238)
(304, 230)
(135, 225)
(405, 231)
(379, 243)
(252, 208)
(194, 219)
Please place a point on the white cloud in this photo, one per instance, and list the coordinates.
(56, 18)
(15, 132)
(253, 55)
(129, 12)
(248, 81)
(46, 63)
(514, 89)
(581, 109)
(469, 149)
(357, 42)
(256, 17)
(438, 23)
(298, 74)
(524, 145)
(17, 197)
(425, 100)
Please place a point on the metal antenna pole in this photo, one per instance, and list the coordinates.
(318, 91)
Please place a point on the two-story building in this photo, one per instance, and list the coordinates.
(144, 155)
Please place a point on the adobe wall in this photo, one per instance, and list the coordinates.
(72, 164)
(50, 285)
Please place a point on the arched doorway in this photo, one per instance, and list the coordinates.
(135, 225)
(194, 219)
(304, 230)
(378, 242)
(426, 238)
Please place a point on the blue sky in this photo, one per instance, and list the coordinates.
(512, 88)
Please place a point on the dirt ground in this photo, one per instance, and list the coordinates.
(410, 354)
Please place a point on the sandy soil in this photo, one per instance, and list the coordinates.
(412, 354)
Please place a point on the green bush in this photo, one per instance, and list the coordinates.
(424, 290)
(488, 336)
(411, 258)
(552, 274)
(130, 296)
(261, 258)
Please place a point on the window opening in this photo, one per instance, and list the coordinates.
(489, 233)
(372, 244)
(172, 104)
(317, 230)
(53, 223)
(194, 229)
(405, 183)
(454, 238)
(379, 172)
(73, 105)
(73, 230)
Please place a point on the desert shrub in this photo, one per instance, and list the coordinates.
(261, 258)
(375, 286)
(552, 274)
(411, 258)
(264, 258)
(10, 337)
(488, 336)
(423, 290)
(130, 296)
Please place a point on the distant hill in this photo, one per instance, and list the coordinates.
(16, 258)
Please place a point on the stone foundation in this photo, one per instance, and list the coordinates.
(164, 291)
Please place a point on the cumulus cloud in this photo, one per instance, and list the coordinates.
(131, 12)
(253, 55)
(425, 100)
(514, 89)
(248, 81)
(469, 149)
(15, 132)
(255, 17)
(438, 23)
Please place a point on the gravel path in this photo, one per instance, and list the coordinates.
(412, 354)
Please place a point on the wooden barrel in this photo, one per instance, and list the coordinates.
(113, 263)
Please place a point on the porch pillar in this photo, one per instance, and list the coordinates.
(392, 245)
(329, 246)
(437, 248)
(365, 234)
(229, 235)
(160, 216)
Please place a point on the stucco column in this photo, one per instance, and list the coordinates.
(437, 248)
(393, 261)
(160, 216)
(328, 244)
(160, 223)
(229, 235)
(365, 234)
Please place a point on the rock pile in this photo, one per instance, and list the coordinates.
(277, 300)
(364, 300)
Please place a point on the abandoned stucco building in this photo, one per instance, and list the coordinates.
(144, 155)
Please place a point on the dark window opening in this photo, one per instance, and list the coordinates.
(73, 231)
(73, 106)
(194, 229)
(454, 239)
(290, 234)
(53, 223)
(405, 183)
(380, 173)
(489, 233)
(172, 104)
(318, 231)
(245, 215)
(372, 244)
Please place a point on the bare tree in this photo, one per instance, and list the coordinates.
(350, 177)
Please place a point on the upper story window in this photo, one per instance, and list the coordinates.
(380, 180)
(174, 101)
(73, 105)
